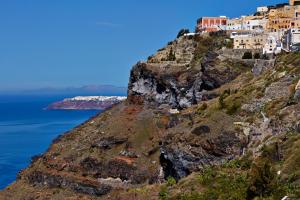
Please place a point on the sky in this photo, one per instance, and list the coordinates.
(63, 43)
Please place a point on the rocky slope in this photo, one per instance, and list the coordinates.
(185, 78)
(199, 123)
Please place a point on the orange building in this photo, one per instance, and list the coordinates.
(211, 24)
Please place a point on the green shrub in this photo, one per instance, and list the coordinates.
(265, 57)
(229, 44)
(247, 55)
(223, 185)
(171, 55)
(163, 194)
(207, 176)
(222, 97)
(182, 32)
(171, 181)
(170, 43)
(233, 106)
(256, 56)
(150, 58)
(262, 180)
(201, 108)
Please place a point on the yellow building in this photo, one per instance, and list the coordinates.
(234, 25)
(253, 41)
(281, 18)
(294, 2)
(295, 23)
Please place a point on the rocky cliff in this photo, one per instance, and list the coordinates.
(187, 77)
(197, 124)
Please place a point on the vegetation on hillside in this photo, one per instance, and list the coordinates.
(262, 178)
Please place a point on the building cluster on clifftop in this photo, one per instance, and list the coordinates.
(271, 29)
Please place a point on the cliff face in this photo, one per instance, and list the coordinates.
(226, 112)
(183, 79)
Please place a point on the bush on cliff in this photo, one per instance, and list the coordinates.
(262, 180)
(171, 55)
(222, 97)
(256, 56)
(182, 32)
(247, 55)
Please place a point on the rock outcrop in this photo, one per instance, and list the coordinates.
(182, 84)
(297, 92)
(181, 159)
(59, 181)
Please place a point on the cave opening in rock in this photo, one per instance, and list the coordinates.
(168, 168)
(160, 88)
(206, 85)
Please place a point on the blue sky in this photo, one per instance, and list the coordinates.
(80, 42)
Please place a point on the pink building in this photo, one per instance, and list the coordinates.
(211, 24)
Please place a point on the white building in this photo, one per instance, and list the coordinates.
(262, 9)
(291, 40)
(239, 34)
(234, 25)
(272, 45)
(257, 25)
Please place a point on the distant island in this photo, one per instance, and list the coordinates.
(88, 90)
(86, 103)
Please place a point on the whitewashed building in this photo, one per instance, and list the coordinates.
(257, 25)
(234, 25)
(272, 45)
(291, 40)
(262, 9)
(239, 34)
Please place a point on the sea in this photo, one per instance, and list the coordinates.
(27, 129)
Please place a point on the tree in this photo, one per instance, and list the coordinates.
(247, 55)
(262, 180)
(171, 56)
(256, 56)
(182, 32)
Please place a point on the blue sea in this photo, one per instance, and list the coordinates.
(27, 129)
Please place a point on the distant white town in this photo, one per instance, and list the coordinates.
(86, 103)
(96, 98)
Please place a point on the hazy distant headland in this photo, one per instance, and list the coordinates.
(88, 90)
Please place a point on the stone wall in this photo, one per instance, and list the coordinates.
(237, 53)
